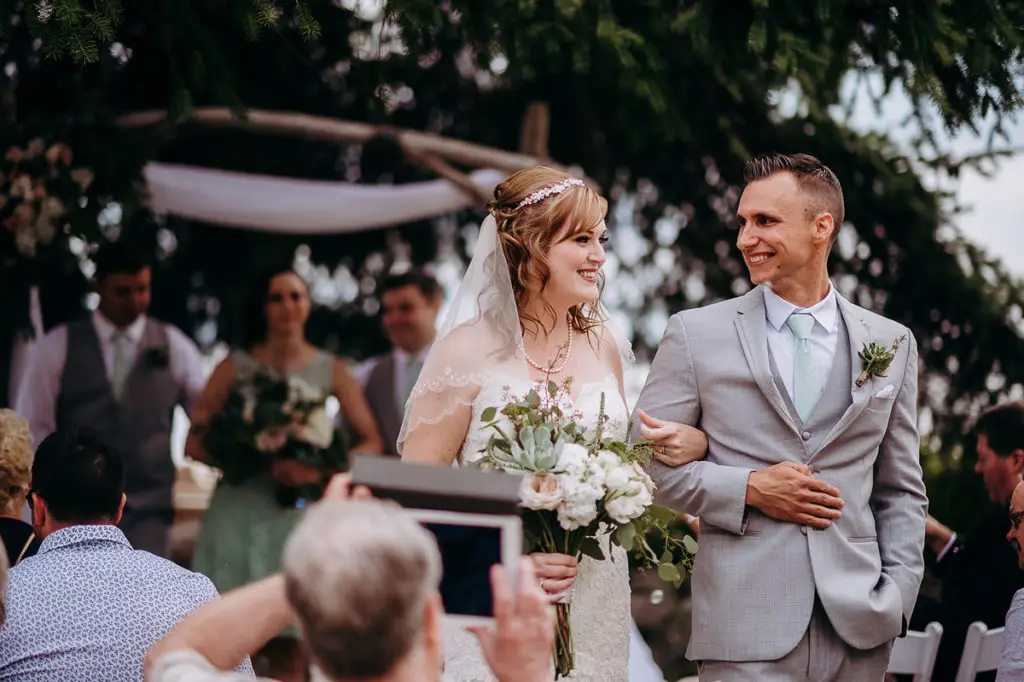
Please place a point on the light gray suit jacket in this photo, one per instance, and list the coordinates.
(755, 578)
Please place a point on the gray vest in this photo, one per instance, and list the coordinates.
(139, 426)
(834, 399)
(380, 394)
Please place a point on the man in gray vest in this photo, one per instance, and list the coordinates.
(120, 373)
(411, 301)
(811, 500)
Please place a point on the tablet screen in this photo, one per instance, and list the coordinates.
(467, 554)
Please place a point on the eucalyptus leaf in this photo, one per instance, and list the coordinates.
(489, 414)
(626, 536)
(668, 573)
(663, 515)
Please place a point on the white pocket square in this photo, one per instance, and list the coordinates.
(886, 392)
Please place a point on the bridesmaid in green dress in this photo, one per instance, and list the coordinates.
(245, 528)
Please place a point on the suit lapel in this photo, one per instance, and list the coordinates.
(859, 334)
(750, 324)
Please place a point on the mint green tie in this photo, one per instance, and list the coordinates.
(119, 375)
(806, 379)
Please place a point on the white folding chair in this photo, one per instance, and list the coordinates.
(982, 649)
(915, 654)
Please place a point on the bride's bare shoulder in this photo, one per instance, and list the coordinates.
(470, 344)
(607, 346)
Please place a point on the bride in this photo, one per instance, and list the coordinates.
(529, 310)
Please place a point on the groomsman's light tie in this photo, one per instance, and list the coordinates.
(806, 379)
(412, 373)
(119, 375)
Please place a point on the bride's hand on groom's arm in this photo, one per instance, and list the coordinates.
(555, 572)
(788, 492)
(674, 444)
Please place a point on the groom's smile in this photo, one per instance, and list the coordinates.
(783, 238)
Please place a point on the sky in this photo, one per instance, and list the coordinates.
(996, 202)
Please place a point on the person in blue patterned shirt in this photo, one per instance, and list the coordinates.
(3, 585)
(87, 606)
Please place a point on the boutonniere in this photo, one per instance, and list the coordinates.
(876, 359)
(157, 357)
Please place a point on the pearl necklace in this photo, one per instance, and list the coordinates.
(550, 370)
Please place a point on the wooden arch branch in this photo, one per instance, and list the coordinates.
(419, 146)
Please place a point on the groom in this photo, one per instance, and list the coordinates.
(811, 501)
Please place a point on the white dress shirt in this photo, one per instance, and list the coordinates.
(782, 342)
(40, 385)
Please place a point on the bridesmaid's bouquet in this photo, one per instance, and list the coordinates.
(266, 419)
(579, 487)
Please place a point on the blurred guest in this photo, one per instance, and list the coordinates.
(87, 607)
(245, 526)
(3, 586)
(15, 474)
(411, 302)
(979, 573)
(1011, 662)
(362, 578)
(122, 373)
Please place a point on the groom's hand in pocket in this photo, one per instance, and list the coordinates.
(786, 491)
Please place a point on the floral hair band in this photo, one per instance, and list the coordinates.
(551, 190)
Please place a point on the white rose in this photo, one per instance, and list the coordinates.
(644, 478)
(573, 458)
(608, 459)
(618, 478)
(318, 431)
(540, 492)
(577, 513)
(624, 508)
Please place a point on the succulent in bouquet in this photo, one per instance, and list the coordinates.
(582, 490)
(266, 419)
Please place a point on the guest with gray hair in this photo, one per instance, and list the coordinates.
(362, 580)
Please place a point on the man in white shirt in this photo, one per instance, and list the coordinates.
(411, 302)
(121, 373)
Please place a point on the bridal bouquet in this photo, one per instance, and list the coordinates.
(266, 419)
(579, 486)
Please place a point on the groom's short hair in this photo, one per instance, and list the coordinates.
(815, 178)
(1003, 427)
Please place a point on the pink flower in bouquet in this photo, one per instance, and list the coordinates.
(540, 492)
(271, 439)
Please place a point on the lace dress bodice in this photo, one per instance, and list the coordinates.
(600, 596)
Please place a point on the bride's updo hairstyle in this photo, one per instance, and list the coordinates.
(532, 207)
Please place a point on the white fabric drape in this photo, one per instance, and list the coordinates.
(290, 205)
(23, 347)
(285, 205)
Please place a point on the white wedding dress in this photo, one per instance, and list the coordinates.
(600, 602)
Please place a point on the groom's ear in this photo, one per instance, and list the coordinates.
(824, 226)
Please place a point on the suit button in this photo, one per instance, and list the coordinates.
(803, 529)
(806, 435)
